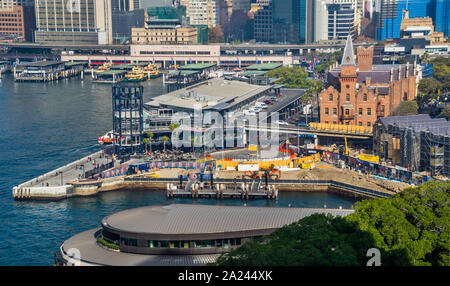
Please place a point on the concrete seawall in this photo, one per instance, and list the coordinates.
(34, 189)
(91, 188)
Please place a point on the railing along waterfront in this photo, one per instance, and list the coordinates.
(329, 183)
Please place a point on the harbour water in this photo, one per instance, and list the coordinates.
(46, 125)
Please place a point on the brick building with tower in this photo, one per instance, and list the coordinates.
(357, 93)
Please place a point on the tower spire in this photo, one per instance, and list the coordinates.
(348, 58)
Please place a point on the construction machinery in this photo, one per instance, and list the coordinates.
(251, 175)
(272, 173)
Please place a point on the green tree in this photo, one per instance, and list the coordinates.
(415, 221)
(406, 108)
(401, 60)
(410, 228)
(296, 77)
(314, 240)
(146, 142)
(446, 112)
(441, 72)
(426, 58)
(165, 139)
(428, 90)
(172, 128)
(149, 136)
(215, 35)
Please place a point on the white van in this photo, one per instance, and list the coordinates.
(261, 105)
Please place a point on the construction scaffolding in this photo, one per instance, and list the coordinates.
(418, 143)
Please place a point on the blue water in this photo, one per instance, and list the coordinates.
(46, 125)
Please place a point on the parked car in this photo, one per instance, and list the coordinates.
(302, 124)
(249, 112)
(281, 122)
(268, 102)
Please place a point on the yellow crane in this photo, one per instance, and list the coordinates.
(346, 147)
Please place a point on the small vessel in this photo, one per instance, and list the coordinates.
(152, 71)
(135, 75)
(108, 138)
(105, 67)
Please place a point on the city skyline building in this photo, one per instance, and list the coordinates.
(442, 19)
(126, 5)
(17, 19)
(10, 4)
(58, 22)
(292, 19)
(335, 19)
(389, 14)
(202, 12)
(263, 21)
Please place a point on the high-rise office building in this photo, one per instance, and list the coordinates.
(10, 4)
(389, 14)
(292, 19)
(85, 22)
(17, 19)
(442, 19)
(334, 19)
(202, 12)
(126, 5)
(263, 21)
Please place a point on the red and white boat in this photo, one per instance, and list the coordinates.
(108, 138)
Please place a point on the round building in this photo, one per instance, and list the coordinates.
(176, 235)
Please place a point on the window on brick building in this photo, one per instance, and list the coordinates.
(360, 111)
(368, 124)
(347, 97)
(365, 97)
(326, 110)
(334, 111)
(331, 97)
(334, 122)
(347, 86)
(369, 111)
(405, 96)
(360, 123)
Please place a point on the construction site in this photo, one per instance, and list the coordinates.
(417, 143)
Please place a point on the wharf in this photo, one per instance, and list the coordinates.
(56, 184)
(244, 191)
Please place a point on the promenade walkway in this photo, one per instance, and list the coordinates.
(70, 172)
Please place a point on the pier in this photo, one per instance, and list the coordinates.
(244, 191)
(46, 71)
(57, 184)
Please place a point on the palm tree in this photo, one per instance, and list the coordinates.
(146, 141)
(172, 127)
(426, 58)
(150, 136)
(192, 142)
(165, 139)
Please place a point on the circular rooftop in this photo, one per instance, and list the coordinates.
(178, 219)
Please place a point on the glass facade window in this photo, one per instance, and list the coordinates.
(164, 244)
(129, 241)
(389, 15)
